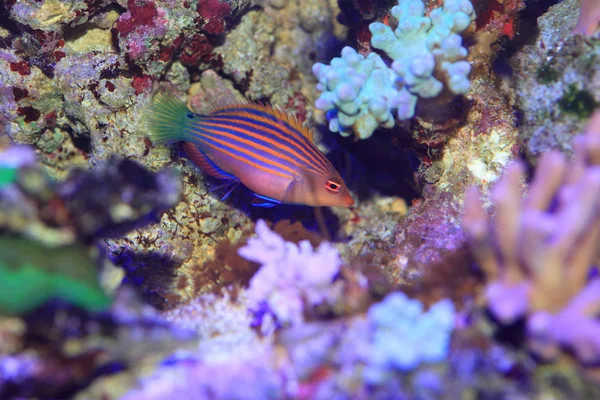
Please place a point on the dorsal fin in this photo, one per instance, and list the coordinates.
(290, 119)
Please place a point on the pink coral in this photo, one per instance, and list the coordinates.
(543, 249)
(141, 83)
(574, 327)
(500, 15)
(145, 33)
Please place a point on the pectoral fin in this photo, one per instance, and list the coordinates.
(288, 196)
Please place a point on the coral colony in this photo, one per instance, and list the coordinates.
(418, 215)
(361, 93)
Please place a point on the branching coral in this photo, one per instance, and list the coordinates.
(427, 50)
(538, 252)
(359, 93)
(428, 58)
(291, 276)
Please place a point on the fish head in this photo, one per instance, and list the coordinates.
(313, 189)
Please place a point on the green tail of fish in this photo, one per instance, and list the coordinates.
(168, 119)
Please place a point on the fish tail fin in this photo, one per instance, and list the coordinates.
(168, 119)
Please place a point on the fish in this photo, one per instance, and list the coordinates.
(262, 147)
(589, 17)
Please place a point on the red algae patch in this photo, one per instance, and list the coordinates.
(22, 67)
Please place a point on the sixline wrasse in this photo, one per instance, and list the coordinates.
(268, 151)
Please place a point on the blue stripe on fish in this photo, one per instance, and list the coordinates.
(241, 153)
(245, 136)
(295, 142)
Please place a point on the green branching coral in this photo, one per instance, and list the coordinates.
(31, 274)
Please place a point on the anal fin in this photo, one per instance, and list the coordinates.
(207, 166)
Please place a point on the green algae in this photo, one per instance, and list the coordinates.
(546, 74)
(31, 274)
(7, 176)
(577, 102)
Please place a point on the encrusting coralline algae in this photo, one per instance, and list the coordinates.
(465, 130)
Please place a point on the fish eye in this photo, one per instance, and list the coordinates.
(332, 186)
(190, 115)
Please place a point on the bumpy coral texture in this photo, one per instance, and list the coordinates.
(359, 93)
(291, 276)
(420, 45)
(49, 16)
(404, 335)
(428, 57)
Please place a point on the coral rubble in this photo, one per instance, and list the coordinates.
(556, 86)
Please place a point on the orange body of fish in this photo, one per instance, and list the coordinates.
(261, 147)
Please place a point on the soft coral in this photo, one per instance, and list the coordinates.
(539, 252)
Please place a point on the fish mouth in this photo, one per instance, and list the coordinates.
(349, 202)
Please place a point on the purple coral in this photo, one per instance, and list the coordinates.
(538, 252)
(291, 276)
(17, 156)
(405, 336)
(545, 252)
(198, 381)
